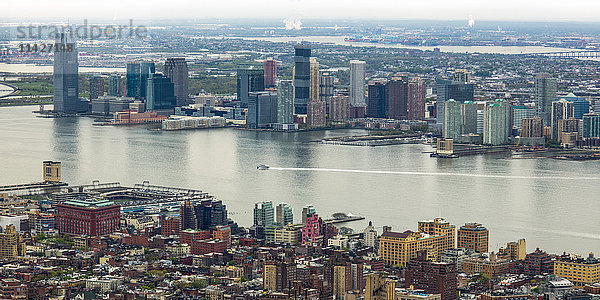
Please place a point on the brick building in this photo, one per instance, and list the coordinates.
(91, 217)
(433, 277)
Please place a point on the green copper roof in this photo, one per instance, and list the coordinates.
(89, 203)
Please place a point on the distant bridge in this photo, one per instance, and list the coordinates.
(568, 54)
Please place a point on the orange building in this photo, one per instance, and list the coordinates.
(473, 236)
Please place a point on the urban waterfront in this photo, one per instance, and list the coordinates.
(551, 203)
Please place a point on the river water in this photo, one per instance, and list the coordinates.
(553, 204)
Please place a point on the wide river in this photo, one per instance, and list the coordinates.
(554, 204)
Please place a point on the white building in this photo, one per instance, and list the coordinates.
(357, 83)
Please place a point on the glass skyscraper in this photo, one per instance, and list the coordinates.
(66, 77)
(262, 109)
(546, 88)
(177, 70)
(146, 68)
(160, 93)
(248, 81)
(457, 90)
(301, 78)
(133, 80)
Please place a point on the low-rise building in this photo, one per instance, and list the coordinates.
(580, 271)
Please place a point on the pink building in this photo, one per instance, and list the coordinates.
(270, 67)
(312, 232)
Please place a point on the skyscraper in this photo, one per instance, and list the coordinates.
(459, 119)
(66, 77)
(301, 78)
(377, 95)
(270, 67)
(397, 98)
(284, 214)
(561, 110)
(262, 109)
(519, 113)
(591, 126)
(496, 124)
(545, 93)
(133, 80)
(446, 90)
(263, 213)
(114, 85)
(314, 79)
(146, 68)
(249, 81)
(357, 83)
(176, 69)
(326, 87)
(416, 99)
(203, 215)
(285, 102)
(315, 116)
(473, 236)
(96, 87)
(532, 127)
(160, 93)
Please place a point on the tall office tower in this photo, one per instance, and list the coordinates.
(270, 67)
(397, 98)
(316, 114)
(496, 123)
(301, 78)
(96, 87)
(462, 75)
(416, 99)
(561, 110)
(210, 214)
(326, 86)
(446, 90)
(480, 119)
(285, 102)
(262, 109)
(591, 126)
(473, 236)
(284, 214)
(357, 83)
(188, 216)
(249, 81)
(377, 99)
(546, 89)
(441, 227)
(532, 127)
(264, 213)
(580, 105)
(160, 93)
(315, 86)
(66, 77)
(176, 69)
(308, 211)
(146, 69)
(519, 113)
(133, 80)
(459, 119)
(114, 85)
(433, 277)
(339, 108)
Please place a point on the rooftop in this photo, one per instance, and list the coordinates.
(89, 202)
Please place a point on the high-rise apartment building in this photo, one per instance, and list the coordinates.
(473, 236)
(326, 86)
(496, 126)
(397, 98)
(446, 90)
(262, 109)
(176, 69)
(285, 102)
(591, 126)
(66, 77)
(314, 79)
(561, 110)
(416, 99)
(147, 68)
(357, 83)
(339, 108)
(203, 215)
(377, 99)
(532, 127)
(302, 81)
(433, 277)
(461, 75)
(440, 227)
(160, 93)
(96, 87)
(316, 114)
(519, 113)
(249, 81)
(459, 118)
(114, 85)
(546, 89)
(133, 80)
(270, 67)
(12, 244)
(308, 211)
(284, 215)
(568, 130)
(264, 214)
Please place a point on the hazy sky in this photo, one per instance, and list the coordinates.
(582, 10)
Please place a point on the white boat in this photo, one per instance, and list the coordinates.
(262, 167)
